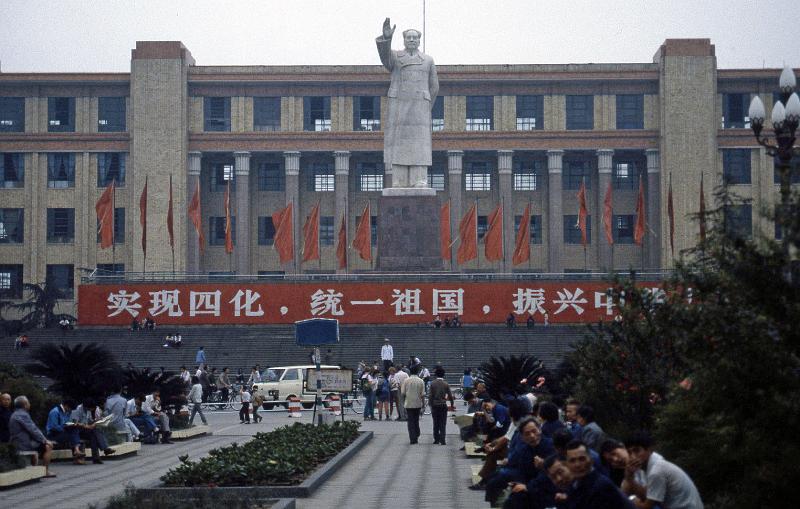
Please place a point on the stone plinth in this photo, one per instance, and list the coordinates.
(408, 230)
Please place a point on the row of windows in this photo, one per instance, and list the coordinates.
(61, 276)
(61, 114)
(61, 170)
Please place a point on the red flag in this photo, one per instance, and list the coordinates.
(493, 239)
(702, 211)
(608, 215)
(522, 247)
(284, 237)
(582, 212)
(671, 215)
(311, 235)
(363, 238)
(143, 217)
(105, 216)
(468, 233)
(341, 247)
(170, 229)
(196, 216)
(638, 232)
(444, 230)
(228, 225)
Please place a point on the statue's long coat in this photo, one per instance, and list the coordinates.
(413, 89)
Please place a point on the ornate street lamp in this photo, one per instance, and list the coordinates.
(785, 117)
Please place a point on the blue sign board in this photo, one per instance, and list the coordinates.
(316, 331)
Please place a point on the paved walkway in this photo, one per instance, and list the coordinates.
(388, 472)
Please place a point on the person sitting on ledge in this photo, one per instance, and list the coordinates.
(62, 430)
(456, 321)
(25, 436)
(85, 416)
(511, 321)
(530, 322)
(437, 322)
(134, 325)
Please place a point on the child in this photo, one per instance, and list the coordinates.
(244, 412)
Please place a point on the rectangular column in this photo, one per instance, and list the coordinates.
(604, 166)
(455, 161)
(653, 198)
(341, 186)
(504, 170)
(243, 227)
(192, 246)
(555, 215)
(292, 168)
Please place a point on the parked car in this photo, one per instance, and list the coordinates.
(281, 383)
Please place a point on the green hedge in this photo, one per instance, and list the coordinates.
(284, 456)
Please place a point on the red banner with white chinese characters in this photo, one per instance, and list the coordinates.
(355, 303)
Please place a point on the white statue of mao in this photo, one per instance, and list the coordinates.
(412, 92)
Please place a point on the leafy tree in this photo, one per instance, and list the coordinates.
(19, 383)
(77, 371)
(38, 310)
(503, 376)
(143, 381)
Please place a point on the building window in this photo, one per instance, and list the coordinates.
(326, 230)
(736, 166)
(62, 277)
(480, 111)
(436, 178)
(739, 221)
(316, 113)
(271, 177)
(437, 114)
(734, 111)
(373, 230)
(12, 114)
(217, 113)
(483, 225)
(60, 170)
(536, 228)
(60, 114)
(11, 281)
(625, 175)
(110, 114)
(794, 171)
(216, 230)
(367, 113)
(119, 226)
(266, 113)
(321, 177)
(526, 175)
(60, 226)
(630, 111)
(572, 233)
(576, 171)
(530, 112)
(623, 228)
(580, 112)
(110, 167)
(12, 226)
(107, 269)
(12, 171)
(370, 176)
(478, 176)
(266, 231)
(221, 174)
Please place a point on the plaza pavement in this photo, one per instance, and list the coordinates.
(388, 472)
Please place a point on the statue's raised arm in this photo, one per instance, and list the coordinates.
(388, 29)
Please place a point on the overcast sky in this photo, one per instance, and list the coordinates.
(97, 35)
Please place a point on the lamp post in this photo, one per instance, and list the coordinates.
(785, 117)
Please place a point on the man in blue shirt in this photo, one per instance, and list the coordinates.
(200, 358)
(590, 489)
(497, 417)
(62, 430)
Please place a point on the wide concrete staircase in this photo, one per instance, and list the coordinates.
(274, 345)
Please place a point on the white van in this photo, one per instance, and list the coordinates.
(281, 383)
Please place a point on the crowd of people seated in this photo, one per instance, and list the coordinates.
(553, 454)
(447, 322)
(21, 342)
(146, 323)
(173, 340)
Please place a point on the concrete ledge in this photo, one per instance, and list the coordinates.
(20, 476)
(471, 450)
(408, 191)
(302, 490)
(194, 431)
(120, 450)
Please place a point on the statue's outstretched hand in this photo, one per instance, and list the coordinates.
(388, 29)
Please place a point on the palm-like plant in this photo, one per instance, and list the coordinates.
(143, 381)
(77, 371)
(503, 376)
(38, 310)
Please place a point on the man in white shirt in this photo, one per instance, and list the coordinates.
(387, 355)
(196, 400)
(413, 392)
(152, 406)
(399, 377)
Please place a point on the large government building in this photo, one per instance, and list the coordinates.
(512, 134)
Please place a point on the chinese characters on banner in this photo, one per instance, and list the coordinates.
(407, 302)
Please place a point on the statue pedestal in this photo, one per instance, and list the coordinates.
(408, 230)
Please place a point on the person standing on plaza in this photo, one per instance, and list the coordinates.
(258, 400)
(244, 411)
(200, 357)
(387, 355)
(196, 399)
(439, 394)
(399, 377)
(368, 384)
(413, 391)
(382, 394)
(224, 384)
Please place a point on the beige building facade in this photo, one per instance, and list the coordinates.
(515, 135)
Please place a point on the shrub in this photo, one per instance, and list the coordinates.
(284, 456)
(201, 499)
(18, 383)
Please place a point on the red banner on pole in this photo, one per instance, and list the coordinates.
(608, 215)
(105, 217)
(143, 217)
(363, 238)
(582, 212)
(639, 231)
(341, 247)
(493, 240)
(196, 216)
(284, 237)
(468, 233)
(522, 247)
(311, 235)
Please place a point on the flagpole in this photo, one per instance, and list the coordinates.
(172, 244)
(113, 225)
(369, 218)
(503, 232)
(529, 232)
(144, 230)
(319, 247)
